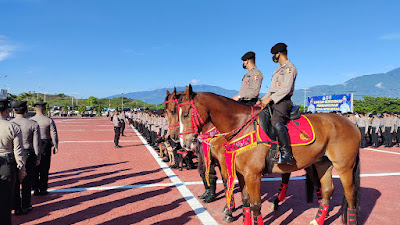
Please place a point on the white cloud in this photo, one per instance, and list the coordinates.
(5, 49)
(379, 85)
(390, 37)
(194, 81)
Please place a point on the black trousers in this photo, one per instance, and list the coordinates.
(117, 131)
(374, 137)
(23, 195)
(281, 111)
(41, 174)
(363, 141)
(388, 136)
(249, 102)
(7, 183)
(122, 127)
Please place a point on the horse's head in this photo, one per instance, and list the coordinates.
(171, 105)
(190, 120)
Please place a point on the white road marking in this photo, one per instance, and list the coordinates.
(197, 207)
(377, 150)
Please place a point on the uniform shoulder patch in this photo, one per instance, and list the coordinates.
(256, 76)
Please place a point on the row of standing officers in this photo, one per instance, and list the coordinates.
(25, 152)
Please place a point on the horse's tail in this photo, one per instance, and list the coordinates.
(310, 182)
(356, 193)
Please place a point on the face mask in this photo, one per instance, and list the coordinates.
(275, 59)
(244, 66)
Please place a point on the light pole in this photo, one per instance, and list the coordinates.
(305, 97)
(122, 100)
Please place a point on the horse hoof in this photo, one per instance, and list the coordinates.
(314, 222)
(227, 219)
(273, 207)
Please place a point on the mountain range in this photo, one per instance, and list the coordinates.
(375, 85)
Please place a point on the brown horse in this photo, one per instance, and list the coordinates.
(336, 146)
(217, 151)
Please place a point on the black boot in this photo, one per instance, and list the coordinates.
(265, 123)
(211, 196)
(203, 196)
(286, 156)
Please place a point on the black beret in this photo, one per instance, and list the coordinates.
(248, 55)
(42, 103)
(374, 113)
(20, 104)
(280, 47)
(4, 103)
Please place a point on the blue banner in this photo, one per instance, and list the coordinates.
(329, 103)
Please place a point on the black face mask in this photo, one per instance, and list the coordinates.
(275, 59)
(244, 67)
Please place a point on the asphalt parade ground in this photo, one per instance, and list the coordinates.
(91, 182)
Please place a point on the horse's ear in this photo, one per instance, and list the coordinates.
(187, 91)
(190, 90)
(168, 93)
(174, 90)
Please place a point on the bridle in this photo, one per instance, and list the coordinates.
(196, 119)
(173, 126)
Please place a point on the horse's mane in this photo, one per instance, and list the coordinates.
(224, 98)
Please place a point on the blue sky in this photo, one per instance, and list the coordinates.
(103, 48)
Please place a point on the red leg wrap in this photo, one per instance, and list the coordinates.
(258, 220)
(246, 216)
(319, 195)
(282, 192)
(351, 216)
(321, 214)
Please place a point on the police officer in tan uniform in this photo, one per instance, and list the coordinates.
(251, 81)
(117, 127)
(48, 134)
(31, 144)
(11, 159)
(279, 95)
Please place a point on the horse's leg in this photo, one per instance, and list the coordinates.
(350, 178)
(245, 199)
(253, 184)
(324, 170)
(312, 180)
(282, 191)
(227, 211)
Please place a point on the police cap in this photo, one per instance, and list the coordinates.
(280, 47)
(20, 106)
(4, 103)
(39, 103)
(248, 55)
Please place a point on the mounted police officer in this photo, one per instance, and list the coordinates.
(48, 134)
(279, 94)
(251, 81)
(11, 159)
(31, 144)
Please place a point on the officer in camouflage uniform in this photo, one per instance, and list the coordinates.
(251, 81)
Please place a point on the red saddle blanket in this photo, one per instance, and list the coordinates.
(301, 132)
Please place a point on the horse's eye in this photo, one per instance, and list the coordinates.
(173, 112)
(185, 115)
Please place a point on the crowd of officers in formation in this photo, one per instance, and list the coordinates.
(25, 151)
(377, 129)
(153, 125)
